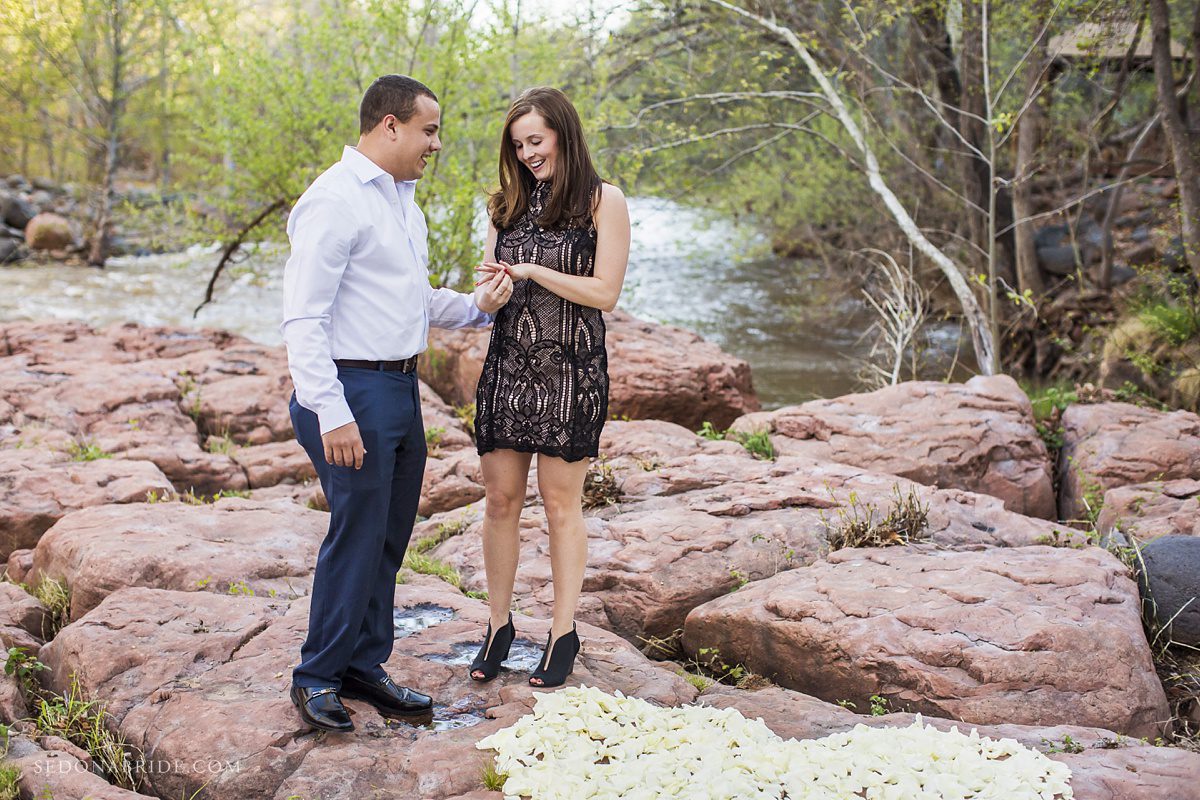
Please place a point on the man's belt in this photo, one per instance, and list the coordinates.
(405, 365)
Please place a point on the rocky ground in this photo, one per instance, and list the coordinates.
(152, 498)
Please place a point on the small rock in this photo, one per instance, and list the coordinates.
(1171, 579)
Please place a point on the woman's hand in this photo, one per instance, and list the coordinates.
(518, 272)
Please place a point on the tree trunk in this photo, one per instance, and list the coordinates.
(112, 129)
(1028, 131)
(971, 122)
(1187, 171)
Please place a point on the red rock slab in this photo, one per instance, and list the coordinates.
(234, 545)
(274, 463)
(693, 528)
(1107, 445)
(23, 619)
(1147, 511)
(193, 677)
(655, 371)
(39, 487)
(1033, 636)
(1110, 766)
(979, 436)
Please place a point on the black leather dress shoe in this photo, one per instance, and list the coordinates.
(321, 708)
(388, 698)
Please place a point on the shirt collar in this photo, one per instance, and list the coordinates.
(368, 171)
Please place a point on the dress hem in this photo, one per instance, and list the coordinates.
(536, 451)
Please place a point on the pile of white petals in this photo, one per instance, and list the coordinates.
(583, 743)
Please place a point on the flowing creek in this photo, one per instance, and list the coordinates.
(800, 329)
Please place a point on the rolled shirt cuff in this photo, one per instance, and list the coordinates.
(334, 416)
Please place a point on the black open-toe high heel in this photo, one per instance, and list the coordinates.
(493, 651)
(553, 671)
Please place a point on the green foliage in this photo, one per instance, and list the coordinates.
(466, 415)
(86, 451)
(739, 579)
(699, 681)
(192, 499)
(879, 706)
(285, 110)
(1064, 745)
(25, 669)
(10, 778)
(445, 530)
(1048, 404)
(710, 432)
(222, 445)
(433, 437)
(1177, 323)
(428, 565)
(757, 443)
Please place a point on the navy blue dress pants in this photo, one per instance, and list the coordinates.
(372, 513)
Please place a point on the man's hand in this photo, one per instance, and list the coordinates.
(493, 292)
(344, 446)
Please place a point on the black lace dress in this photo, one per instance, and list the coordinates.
(544, 385)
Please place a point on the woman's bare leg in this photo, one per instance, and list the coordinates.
(561, 486)
(505, 473)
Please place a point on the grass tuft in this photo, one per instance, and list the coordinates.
(428, 565)
(906, 521)
(56, 597)
(492, 780)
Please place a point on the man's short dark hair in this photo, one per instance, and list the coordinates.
(390, 94)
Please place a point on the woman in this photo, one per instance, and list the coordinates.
(563, 236)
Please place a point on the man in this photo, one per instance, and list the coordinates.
(357, 309)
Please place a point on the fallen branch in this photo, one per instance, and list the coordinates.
(232, 247)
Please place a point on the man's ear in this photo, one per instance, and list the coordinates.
(390, 124)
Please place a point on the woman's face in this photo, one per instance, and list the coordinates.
(536, 144)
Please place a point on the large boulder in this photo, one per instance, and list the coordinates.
(1146, 511)
(1170, 572)
(1032, 635)
(682, 531)
(202, 679)
(49, 231)
(979, 435)
(38, 487)
(1106, 445)
(656, 372)
(233, 546)
(1103, 764)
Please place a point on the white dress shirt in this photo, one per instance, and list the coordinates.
(357, 282)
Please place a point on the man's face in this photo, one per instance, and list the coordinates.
(415, 141)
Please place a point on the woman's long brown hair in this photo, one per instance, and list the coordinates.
(575, 184)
